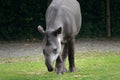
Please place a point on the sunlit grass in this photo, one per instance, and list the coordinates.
(90, 66)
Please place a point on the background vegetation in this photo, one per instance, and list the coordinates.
(19, 18)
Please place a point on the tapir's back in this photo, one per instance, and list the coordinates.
(65, 12)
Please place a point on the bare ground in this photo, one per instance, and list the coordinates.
(19, 49)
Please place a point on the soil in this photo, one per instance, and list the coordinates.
(19, 49)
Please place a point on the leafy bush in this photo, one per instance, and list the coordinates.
(19, 19)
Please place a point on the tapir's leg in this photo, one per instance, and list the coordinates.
(71, 43)
(64, 55)
(60, 62)
(59, 65)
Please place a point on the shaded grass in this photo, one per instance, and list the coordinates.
(90, 66)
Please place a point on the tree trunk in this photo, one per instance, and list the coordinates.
(108, 18)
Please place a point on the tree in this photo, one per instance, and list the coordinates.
(108, 18)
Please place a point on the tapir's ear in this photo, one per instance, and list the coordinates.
(58, 31)
(40, 29)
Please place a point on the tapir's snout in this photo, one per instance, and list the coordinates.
(50, 69)
(49, 65)
(50, 57)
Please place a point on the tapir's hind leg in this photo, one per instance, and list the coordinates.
(71, 45)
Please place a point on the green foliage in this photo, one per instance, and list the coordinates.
(115, 17)
(19, 19)
(93, 13)
(90, 66)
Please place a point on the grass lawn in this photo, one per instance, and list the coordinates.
(90, 66)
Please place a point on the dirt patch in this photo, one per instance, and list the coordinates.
(18, 49)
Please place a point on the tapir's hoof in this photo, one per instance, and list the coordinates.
(65, 70)
(72, 69)
(60, 73)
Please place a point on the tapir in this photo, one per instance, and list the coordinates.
(63, 23)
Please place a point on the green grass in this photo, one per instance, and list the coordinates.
(90, 66)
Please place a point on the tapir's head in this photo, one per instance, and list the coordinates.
(52, 46)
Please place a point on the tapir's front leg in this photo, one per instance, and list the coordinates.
(59, 65)
(71, 43)
(64, 56)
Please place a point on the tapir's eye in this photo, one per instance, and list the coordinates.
(55, 51)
